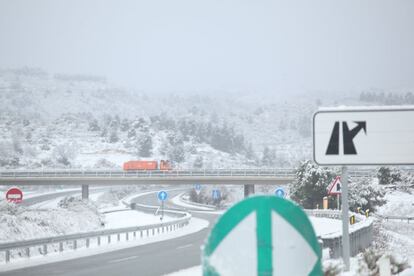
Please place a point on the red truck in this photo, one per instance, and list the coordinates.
(147, 165)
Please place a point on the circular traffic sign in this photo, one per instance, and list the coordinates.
(162, 195)
(262, 235)
(14, 195)
(279, 192)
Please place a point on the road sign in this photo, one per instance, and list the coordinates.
(14, 195)
(280, 192)
(162, 195)
(335, 187)
(364, 136)
(197, 188)
(216, 194)
(262, 235)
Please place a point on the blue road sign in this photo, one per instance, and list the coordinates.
(162, 195)
(197, 187)
(216, 194)
(280, 192)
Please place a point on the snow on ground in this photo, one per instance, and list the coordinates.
(63, 215)
(192, 271)
(21, 223)
(194, 226)
(399, 233)
(132, 218)
(94, 196)
(326, 226)
(399, 203)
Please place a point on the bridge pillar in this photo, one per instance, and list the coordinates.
(85, 191)
(248, 190)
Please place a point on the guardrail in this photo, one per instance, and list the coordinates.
(400, 218)
(360, 235)
(72, 240)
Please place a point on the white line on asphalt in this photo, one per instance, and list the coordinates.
(184, 246)
(123, 259)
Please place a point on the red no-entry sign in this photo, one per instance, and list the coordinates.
(14, 195)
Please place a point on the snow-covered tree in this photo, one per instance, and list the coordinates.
(364, 193)
(198, 162)
(388, 176)
(65, 153)
(144, 144)
(310, 184)
(304, 126)
(113, 136)
(268, 157)
(124, 125)
(250, 154)
(93, 125)
(176, 153)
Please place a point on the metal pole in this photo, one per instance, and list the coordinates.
(248, 190)
(162, 210)
(337, 199)
(345, 226)
(85, 191)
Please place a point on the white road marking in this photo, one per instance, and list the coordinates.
(185, 246)
(123, 259)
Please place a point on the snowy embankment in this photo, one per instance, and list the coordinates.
(69, 214)
(117, 219)
(22, 223)
(399, 234)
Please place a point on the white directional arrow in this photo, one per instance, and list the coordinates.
(263, 235)
(289, 245)
(245, 261)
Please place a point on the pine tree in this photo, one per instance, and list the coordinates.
(268, 157)
(124, 125)
(144, 145)
(113, 136)
(93, 125)
(198, 162)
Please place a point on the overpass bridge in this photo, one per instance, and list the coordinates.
(246, 177)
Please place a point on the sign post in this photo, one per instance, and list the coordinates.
(197, 188)
(276, 234)
(162, 196)
(362, 136)
(345, 222)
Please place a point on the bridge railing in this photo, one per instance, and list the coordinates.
(276, 172)
(146, 173)
(100, 237)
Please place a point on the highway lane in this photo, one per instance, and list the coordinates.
(49, 196)
(37, 199)
(151, 259)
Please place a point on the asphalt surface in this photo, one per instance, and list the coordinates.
(157, 258)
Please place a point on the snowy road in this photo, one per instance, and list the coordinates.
(157, 258)
(173, 254)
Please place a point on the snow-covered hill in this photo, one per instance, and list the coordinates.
(49, 121)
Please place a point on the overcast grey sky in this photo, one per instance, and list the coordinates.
(260, 45)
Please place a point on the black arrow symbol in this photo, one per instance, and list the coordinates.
(349, 135)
